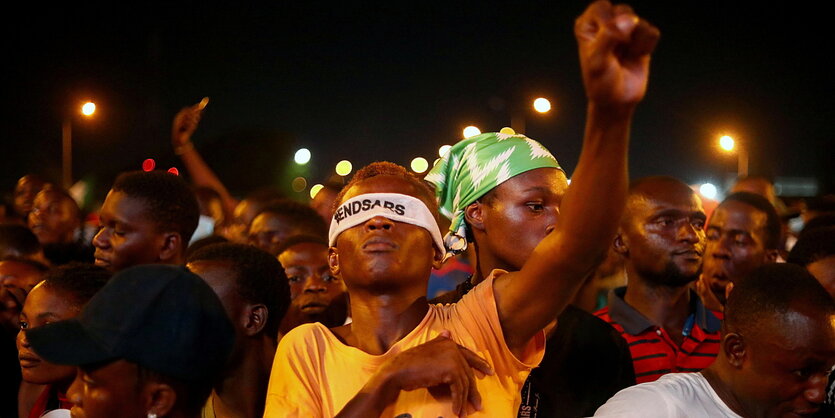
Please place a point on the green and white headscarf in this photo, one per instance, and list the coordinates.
(476, 165)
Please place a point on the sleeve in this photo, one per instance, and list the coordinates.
(292, 391)
(479, 315)
(642, 401)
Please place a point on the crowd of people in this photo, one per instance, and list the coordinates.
(182, 301)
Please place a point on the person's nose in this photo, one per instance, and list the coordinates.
(315, 284)
(691, 233)
(379, 223)
(76, 389)
(102, 239)
(817, 388)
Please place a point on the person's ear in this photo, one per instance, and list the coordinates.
(474, 215)
(333, 261)
(255, 319)
(620, 243)
(171, 246)
(159, 398)
(771, 256)
(735, 349)
(437, 259)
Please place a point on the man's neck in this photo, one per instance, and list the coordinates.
(243, 390)
(485, 263)
(381, 320)
(666, 306)
(720, 380)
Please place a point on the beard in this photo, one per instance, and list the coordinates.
(670, 276)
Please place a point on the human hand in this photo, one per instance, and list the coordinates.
(439, 362)
(709, 298)
(615, 47)
(185, 123)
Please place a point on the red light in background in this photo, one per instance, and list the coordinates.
(149, 164)
(174, 171)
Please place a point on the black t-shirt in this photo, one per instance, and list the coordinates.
(586, 362)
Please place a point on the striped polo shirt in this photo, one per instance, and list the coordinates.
(653, 351)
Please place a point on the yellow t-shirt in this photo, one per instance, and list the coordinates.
(315, 375)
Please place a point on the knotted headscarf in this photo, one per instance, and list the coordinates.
(476, 165)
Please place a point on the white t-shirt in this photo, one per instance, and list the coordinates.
(673, 395)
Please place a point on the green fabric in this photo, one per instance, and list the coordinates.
(476, 165)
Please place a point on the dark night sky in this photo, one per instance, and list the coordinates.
(390, 81)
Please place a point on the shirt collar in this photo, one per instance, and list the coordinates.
(634, 323)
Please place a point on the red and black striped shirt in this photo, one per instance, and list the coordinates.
(654, 353)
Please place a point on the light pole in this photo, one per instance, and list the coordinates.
(66, 141)
(517, 119)
(729, 144)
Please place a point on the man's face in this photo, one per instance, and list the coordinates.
(43, 306)
(786, 368)
(524, 207)
(380, 252)
(735, 245)
(313, 289)
(127, 237)
(24, 194)
(663, 235)
(824, 270)
(269, 230)
(54, 218)
(110, 390)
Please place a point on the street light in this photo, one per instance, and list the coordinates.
(729, 144)
(87, 109)
(517, 119)
(302, 156)
(471, 131)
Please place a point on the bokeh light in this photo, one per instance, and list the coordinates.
(174, 171)
(507, 131)
(542, 105)
(708, 190)
(419, 165)
(298, 184)
(302, 156)
(88, 108)
(344, 167)
(443, 150)
(149, 164)
(471, 131)
(315, 190)
(727, 143)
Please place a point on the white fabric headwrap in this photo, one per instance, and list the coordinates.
(394, 206)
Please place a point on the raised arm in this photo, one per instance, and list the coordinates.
(184, 125)
(615, 47)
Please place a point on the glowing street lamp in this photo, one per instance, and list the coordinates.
(87, 109)
(729, 144)
(542, 105)
(471, 131)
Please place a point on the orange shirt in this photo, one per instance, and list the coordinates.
(315, 375)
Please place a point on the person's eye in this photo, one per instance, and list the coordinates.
(665, 221)
(698, 223)
(535, 206)
(295, 279)
(24, 325)
(329, 278)
(712, 235)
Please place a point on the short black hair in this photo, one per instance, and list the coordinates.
(773, 227)
(78, 281)
(259, 278)
(385, 168)
(298, 214)
(33, 264)
(301, 239)
(812, 246)
(773, 288)
(820, 221)
(18, 240)
(171, 203)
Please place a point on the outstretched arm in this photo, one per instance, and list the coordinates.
(185, 123)
(615, 47)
